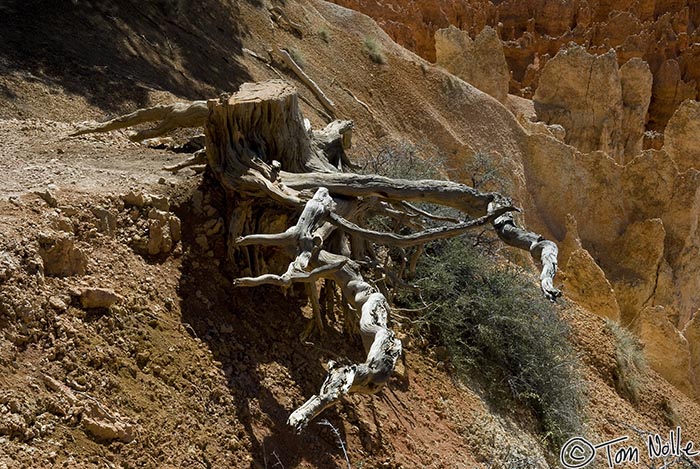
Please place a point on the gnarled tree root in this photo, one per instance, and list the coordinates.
(271, 164)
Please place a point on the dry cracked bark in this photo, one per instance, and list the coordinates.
(265, 156)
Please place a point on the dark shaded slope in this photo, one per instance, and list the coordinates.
(113, 52)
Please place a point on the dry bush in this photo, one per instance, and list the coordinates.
(631, 363)
(374, 50)
(500, 333)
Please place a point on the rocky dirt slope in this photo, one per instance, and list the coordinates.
(606, 79)
(122, 343)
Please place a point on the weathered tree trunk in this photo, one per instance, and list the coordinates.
(270, 162)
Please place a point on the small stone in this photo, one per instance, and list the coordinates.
(210, 211)
(175, 228)
(16, 201)
(8, 265)
(58, 304)
(98, 298)
(213, 226)
(48, 197)
(135, 198)
(197, 200)
(160, 202)
(63, 224)
(159, 143)
(202, 242)
(69, 211)
(107, 221)
(60, 256)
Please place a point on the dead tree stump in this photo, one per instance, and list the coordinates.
(271, 164)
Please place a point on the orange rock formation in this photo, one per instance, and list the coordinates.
(664, 33)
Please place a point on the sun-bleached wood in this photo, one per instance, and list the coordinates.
(312, 263)
(171, 117)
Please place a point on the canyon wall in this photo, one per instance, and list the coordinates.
(664, 33)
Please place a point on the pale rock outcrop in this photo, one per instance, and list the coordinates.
(633, 265)
(648, 184)
(552, 169)
(534, 30)
(571, 241)
(683, 246)
(669, 91)
(692, 335)
(635, 80)
(60, 255)
(582, 278)
(682, 134)
(479, 62)
(582, 92)
(585, 282)
(601, 107)
(638, 223)
(666, 349)
(524, 111)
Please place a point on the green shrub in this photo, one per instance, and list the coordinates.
(374, 50)
(324, 35)
(498, 330)
(297, 56)
(404, 161)
(500, 333)
(631, 363)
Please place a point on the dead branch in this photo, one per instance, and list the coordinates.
(294, 67)
(543, 251)
(199, 157)
(382, 348)
(413, 239)
(171, 117)
(280, 17)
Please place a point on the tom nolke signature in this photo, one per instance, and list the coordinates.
(579, 452)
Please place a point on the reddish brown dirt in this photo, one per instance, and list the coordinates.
(200, 373)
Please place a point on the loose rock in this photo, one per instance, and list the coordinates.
(98, 298)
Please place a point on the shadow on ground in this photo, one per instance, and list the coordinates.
(114, 52)
(254, 334)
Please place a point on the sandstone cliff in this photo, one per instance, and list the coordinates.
(663, 34)
(480, 62)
